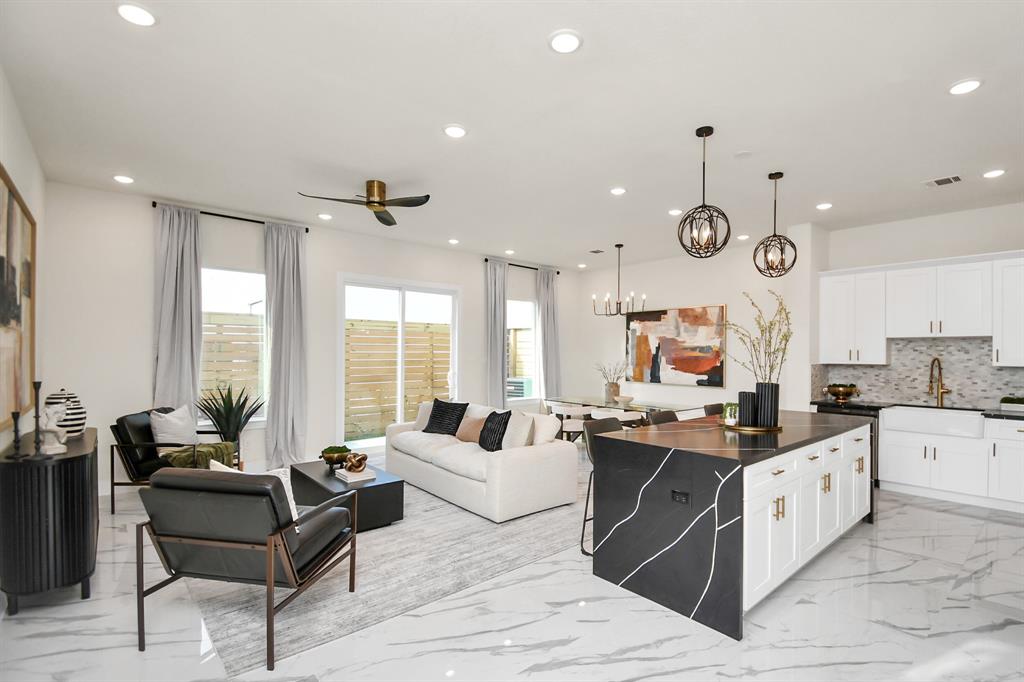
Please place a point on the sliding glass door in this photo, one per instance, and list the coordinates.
(397, 353)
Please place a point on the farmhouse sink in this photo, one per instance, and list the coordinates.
(940, 422)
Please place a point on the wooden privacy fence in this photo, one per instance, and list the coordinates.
(232, 352)
(371, 372)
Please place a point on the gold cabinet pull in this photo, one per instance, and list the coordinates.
(824, 483)
(778, 509)
(857, 440)
(833, 449)
(849, 355)
(858, 355)
(783, 506)
(933, 454)
(778, 471)
(812, 457)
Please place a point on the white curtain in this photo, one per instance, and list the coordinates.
(177, 308)
(286, 323)
(496, 279)
(547, 316)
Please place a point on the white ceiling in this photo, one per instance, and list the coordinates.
(237, 106)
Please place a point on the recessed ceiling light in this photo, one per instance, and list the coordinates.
(509, 252)
(453, 242)
(134, 14)
(454, 130)
(823, 207)
(993, 173)
(965, 86)
(618, 191)
(743, 237)
(675, 211)
(324, 216)
(565, 41)
(124, 179)
(581, 265)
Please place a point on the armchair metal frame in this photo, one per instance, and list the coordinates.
(275, 546)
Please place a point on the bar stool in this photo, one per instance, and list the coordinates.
(591, 428)
(629, 419)
(571, 418)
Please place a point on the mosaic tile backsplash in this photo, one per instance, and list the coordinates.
(966, 368)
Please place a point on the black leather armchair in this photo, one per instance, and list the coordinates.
(136, 447)
(235, 527)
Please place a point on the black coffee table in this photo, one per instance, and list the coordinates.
(381, 501)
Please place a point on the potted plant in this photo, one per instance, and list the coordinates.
(612, 372)
(731, 413)
(228, 412)
(767, 349)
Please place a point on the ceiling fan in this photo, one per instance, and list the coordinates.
(376, 200)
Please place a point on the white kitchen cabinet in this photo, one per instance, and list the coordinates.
(810, 513)
(910, 302)
(758, 528)
(958, 465)
(830, 522)
(943, 300)
(1005, 443)
(785, 547)
(964, 299)
(1008, 312)
(856, 489)
(852, 319)
(903, 458)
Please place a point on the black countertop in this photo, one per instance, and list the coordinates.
(705, 436)
(991, 413)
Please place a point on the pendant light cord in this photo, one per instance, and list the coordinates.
(703, 180)
(775, 209)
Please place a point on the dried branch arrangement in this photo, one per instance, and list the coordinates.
(612, 371)
(768, 347)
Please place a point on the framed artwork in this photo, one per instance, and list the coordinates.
(679, 346)
(17, 302)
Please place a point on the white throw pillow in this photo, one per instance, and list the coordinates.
(422, 417)
(545, 428)
(520, 428)
(284, 474)
(178, 426)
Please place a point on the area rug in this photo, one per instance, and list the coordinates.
(436, 550)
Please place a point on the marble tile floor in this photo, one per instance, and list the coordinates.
(933, 591)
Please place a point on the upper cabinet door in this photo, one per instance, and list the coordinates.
(869, 319)
(910, 303)
(964, 300)
(1008, 312)
(835, 319)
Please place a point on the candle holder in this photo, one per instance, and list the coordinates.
(15, 418)
(36, 385)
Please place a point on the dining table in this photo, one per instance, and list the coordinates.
(645, 406)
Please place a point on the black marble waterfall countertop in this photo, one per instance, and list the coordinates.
(705, 436)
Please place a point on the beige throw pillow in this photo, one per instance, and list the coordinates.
(519, 432)
(469, 429)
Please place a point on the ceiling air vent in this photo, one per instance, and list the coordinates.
(942, 182)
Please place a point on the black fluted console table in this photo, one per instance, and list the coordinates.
(49, 519)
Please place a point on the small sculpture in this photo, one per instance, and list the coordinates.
(53, 436)
(355, 463)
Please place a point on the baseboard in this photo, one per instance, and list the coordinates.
(947, 496)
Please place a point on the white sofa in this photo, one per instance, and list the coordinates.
(499, 485)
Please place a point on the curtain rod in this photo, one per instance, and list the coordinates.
(231, 217)
(525, 267)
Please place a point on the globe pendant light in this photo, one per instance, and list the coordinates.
(775, 255)
(704, 230)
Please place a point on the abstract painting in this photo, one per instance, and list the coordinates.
(680, 346)
(17, 302)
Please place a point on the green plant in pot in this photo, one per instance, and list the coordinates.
(229, 412)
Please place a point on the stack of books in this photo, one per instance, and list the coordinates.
(366, 474)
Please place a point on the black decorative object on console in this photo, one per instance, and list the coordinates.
(775, 255)
(704, 230)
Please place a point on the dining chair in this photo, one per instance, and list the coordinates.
(629, 419)
(713, 408)
(663, 417)
(572, 418)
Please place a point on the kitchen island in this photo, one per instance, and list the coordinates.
(707, 522)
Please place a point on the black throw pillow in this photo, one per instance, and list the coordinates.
(493, 431)
(445, 417)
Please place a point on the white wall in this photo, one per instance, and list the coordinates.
(99, 247)
(963, 233)
(682, 281)
(19, 159)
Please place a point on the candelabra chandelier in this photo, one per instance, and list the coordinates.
(775, 255)
(621, 307)
(704, 230)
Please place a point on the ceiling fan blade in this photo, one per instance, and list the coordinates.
(385, 218)
(408, 202)
(357, 202)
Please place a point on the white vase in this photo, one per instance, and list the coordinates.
(74, 419)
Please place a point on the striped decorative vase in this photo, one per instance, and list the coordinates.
(74, 419)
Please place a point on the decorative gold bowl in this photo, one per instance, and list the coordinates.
(841, 394)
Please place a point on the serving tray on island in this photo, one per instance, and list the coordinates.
(750, 429)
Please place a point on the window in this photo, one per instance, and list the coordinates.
(234, 350)
(391, 368)
(521, 320)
